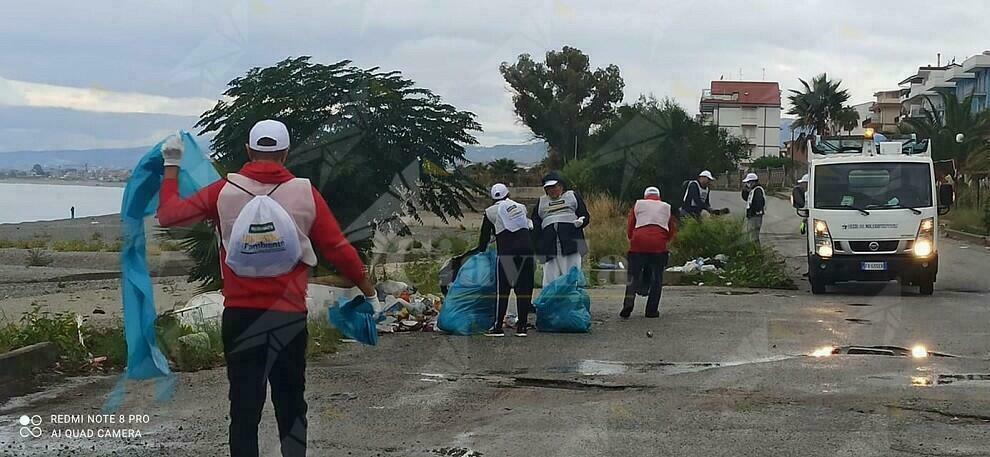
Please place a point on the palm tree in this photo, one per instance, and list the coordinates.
(818, 105)
(941, 128)
(503, 170)
(846, 120)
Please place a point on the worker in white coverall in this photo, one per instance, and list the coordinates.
(559, 221)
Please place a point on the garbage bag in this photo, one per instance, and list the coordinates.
(355, 318)
(144, 359)
(564, 305)
(469, 308)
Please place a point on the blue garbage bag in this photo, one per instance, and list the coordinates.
(355, 318)
(564, 305)
(144, 359)
(469, 307)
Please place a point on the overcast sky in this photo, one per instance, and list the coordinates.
(109, 73)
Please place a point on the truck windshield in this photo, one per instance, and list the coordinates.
(883, 185)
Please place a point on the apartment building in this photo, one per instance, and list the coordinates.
(747, 109)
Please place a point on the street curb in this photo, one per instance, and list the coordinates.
(968, 237)
(24, 362)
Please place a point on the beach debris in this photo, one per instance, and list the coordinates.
(200, 311)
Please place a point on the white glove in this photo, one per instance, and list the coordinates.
(579, 221)
(172, 150)
(530, 223)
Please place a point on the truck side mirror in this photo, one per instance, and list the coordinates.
(946, 198)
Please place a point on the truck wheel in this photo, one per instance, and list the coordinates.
(926, 286)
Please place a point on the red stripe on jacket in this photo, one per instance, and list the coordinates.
(649, 239)
(282, 293)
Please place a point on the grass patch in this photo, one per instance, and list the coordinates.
(323, 338)
(205, 350)
(606, 235)
(750, 265)
(969, 219)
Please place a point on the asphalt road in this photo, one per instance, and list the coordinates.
(725, 372)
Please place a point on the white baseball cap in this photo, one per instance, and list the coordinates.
(651, 191)
(803, 178)
(269, 136)
(706, 174)
(499, 191)
(751, 177)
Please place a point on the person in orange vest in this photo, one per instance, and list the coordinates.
(264, 318)
(650, 228)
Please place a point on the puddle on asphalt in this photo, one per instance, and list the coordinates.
(736, 292)
(859, 304)
(859, 321)
(889, 351)
(613, 368)
(944, 379)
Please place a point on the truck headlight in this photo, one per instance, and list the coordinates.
(924, 243)
(823, 239)
(922, 248)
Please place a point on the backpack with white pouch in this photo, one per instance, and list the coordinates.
(264, 240)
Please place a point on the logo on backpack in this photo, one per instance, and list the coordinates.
(264, 239)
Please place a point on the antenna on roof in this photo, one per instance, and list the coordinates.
(938, 59)
(764, 74)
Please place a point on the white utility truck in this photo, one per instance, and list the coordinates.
(872, 209)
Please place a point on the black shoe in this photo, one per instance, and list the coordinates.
(653, 315)
(625, 313)
(496, 333)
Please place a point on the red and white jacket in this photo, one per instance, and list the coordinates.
(650, 226)
(318, 232)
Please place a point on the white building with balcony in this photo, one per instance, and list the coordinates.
(746, 109)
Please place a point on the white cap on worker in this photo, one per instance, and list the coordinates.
(499, 191)
(803, 178)
(751, 177)
(269, 136)
(706, 174)
(651, 191)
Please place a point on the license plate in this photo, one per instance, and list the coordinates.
(874, 266)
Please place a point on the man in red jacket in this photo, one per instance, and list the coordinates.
(264, 318)
(649, 228)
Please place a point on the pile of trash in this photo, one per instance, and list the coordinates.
(406, 310)
(701, 265)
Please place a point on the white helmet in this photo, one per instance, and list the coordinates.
(499, 191)
(751, 177)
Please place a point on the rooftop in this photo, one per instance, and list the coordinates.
(756, 93)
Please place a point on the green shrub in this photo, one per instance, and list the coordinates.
(108, 342)
(37, 326)
(770, 162)
(750, 265)
(451, 245)
(38, 257)
(968, 219)
(424, 275)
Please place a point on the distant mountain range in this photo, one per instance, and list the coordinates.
(125, 158)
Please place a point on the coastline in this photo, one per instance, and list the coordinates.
(61, 182)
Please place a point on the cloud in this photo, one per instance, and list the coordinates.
(24, 93)
(186, 50)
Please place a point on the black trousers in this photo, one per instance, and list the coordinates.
(515, 272)
(265, 347)
(645, 267)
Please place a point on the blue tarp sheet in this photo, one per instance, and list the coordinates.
(144, 359)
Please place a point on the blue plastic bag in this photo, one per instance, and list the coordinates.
(564, 305)
(144, 359)
(355, 318)
(469, 307)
